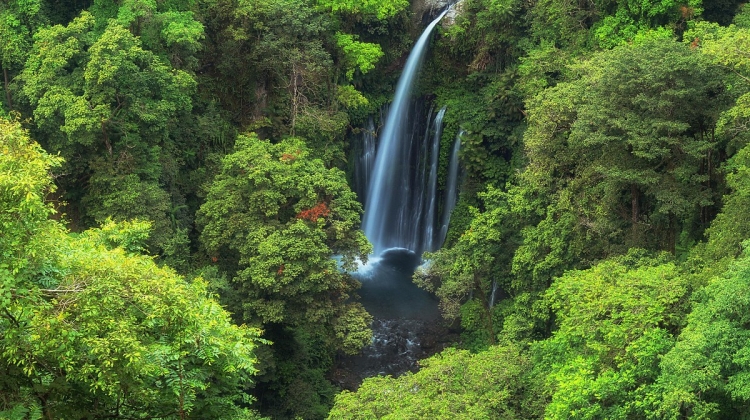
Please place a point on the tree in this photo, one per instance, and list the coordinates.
(91, 328)
(607, 23)
(707, 373)
(474, 275)
(727, 47)
(169, 29)
(270, 60)
(109, 107)
(358, 55)
(730, 227)
(452, 384)
(629, 18)
(721, 11)
(380, 9)
(294, 66)
(18, 21)
(278, 216)
(615, 321)
(626, 155)
(273, 219)
(24, 177)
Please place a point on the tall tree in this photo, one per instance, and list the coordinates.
(273, 219)
(627, 157)
(90, 328)
(110, 107)
(615, 321)
(707, 374)
(18, 22)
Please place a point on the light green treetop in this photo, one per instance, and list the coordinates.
(380, 9)
(454, 384)
(90, 329)
(707, 374)
(614, 323)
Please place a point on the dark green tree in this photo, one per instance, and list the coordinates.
(473, 277)
(623, 153)
(18, 22)
(278, 216)
(273, 219)
(110, 107)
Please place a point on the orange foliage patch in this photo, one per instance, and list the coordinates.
(288, 157)
(313, 214)
(687, 12)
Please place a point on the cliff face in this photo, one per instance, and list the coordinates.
(426, 10)
(450, 17)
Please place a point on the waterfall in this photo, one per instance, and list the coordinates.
(451, 188)
(390, 198)
(430, 219)
(493, 293)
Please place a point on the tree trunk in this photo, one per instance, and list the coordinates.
(634, 204)
(7, 90)
(634, 213)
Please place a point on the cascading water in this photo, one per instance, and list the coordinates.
(431, 217)
(451, 188)
(384, 214)
(493, 293)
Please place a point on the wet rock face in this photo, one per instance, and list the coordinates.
(396, 348)
(450, 17)
(437, 4)
(426, 10)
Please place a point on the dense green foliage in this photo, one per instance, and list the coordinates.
(597, 260)
(606, 245)
(92, 329)
(285, 215)
(453, 383)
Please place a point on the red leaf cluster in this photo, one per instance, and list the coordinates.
(313, 214)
